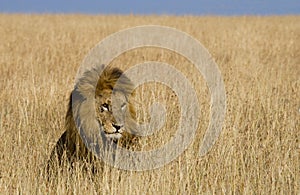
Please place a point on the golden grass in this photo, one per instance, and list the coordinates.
(257, 152)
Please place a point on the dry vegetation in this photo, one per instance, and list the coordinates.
(257, 152)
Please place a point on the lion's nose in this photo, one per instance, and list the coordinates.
(117, 127)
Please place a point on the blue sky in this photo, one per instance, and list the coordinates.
(174, 7)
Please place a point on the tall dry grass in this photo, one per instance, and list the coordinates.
(256, 153)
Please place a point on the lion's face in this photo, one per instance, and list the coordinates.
(111, 110)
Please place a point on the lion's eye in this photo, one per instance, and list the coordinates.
(123, 106)
(104, 107)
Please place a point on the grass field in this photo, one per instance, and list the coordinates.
(256, 153)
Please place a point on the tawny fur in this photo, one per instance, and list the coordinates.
(94, 84)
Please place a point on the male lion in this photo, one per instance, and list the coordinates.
(91, 107)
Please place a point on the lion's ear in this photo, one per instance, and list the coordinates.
(116, 73)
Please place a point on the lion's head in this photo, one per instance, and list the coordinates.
(114, 112)
(111, 110)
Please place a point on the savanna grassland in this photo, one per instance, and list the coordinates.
(256, 153)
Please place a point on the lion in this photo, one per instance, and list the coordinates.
(92, 109)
